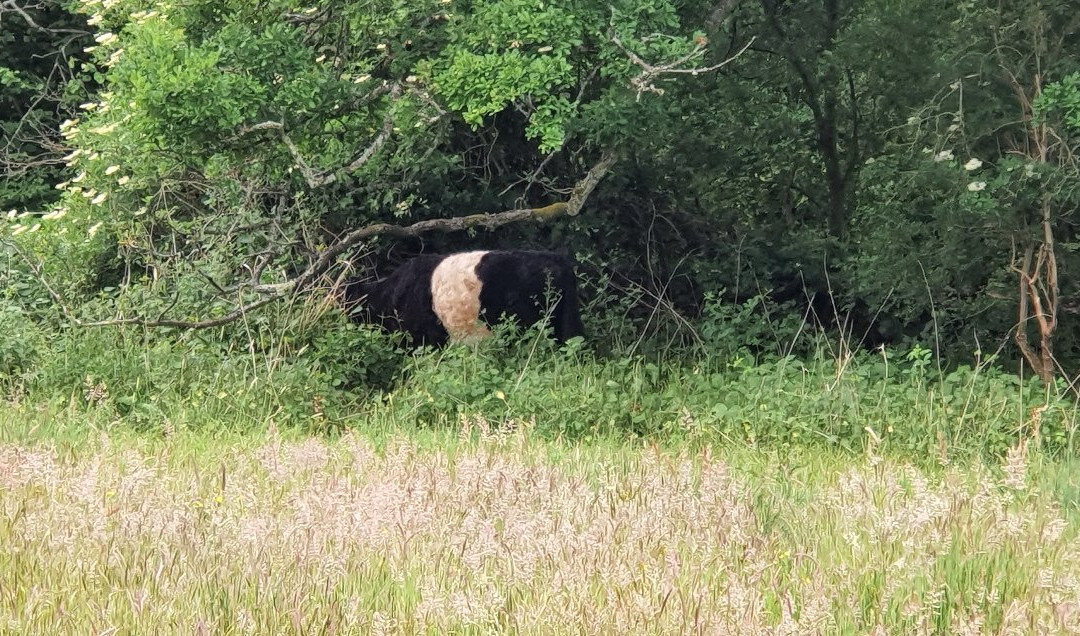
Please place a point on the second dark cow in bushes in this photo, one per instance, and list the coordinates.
(435, 298)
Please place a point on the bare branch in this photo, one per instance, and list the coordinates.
(239, 312)
(316, 179)
(11, 5)
(644, 83)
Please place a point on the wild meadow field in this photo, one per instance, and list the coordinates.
(825, 255)
(541, 492)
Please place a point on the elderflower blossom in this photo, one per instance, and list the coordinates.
(105, 38)
(944, 155)
(972, 164)
(99, 199)
(976, 186)
(111, 169)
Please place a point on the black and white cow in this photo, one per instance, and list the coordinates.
(459, 296)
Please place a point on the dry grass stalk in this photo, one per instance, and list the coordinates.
(495, 536)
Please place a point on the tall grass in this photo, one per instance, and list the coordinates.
(316, 478)
(496, 530)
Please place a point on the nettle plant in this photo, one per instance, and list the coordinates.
(232, 143)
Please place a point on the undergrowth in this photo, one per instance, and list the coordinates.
(312, 370)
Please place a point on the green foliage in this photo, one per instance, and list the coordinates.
(515, 51)
(21, 341)
(869, 169)
(776, 402)
(303, 371)
(323, 373)
(1062, 96)
(732, 331)
(37, 89)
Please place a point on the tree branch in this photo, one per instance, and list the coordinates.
(720, 12)
(788, 52)
(316, 179)
(644, 83)
(10, 5)
(327, 257)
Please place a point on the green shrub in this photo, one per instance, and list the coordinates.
(20, 340)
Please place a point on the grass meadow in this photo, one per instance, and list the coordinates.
(178, 486)
(496, 529)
